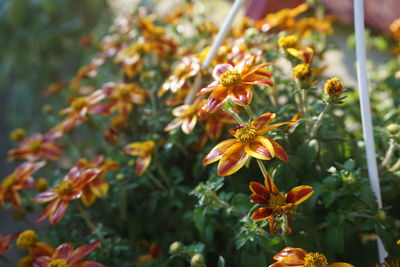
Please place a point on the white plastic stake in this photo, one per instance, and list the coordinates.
(366, 110)
(222, 32)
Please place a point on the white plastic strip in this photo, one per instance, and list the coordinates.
(222, 32)
(366, 110)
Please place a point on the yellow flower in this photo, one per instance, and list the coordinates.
(395, 29)
(144, 150)
(302, 72)
(334, 88)
(17, 135)
(289, 41)
(27, 239)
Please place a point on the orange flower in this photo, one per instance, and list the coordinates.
(235, 83)
(88, 71)
(302, 258)
(214, 122)
(98, 187)
(69, 189)
(130, 58)
(19, 179)
(5, 242)
(144, 150)
(154, 252)
(65, 256)
(187, 116)
(275, 203)
(37, 147)
(233, 153)
(187, 68)
(123, 96)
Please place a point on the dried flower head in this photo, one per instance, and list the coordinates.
(334, 88)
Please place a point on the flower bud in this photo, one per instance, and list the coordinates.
(289, 41)
(302, 72)
(25, 262)
(27, 239)
(120, 176)
(197, 261)
(393, 128)
(334, 88)
(381, 215)
(41, 184)
(17, 135)
(175, 247)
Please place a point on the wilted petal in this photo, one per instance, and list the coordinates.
(260, 148)
(261, 214)
(216, 153)
(299, 194)
(232, 160)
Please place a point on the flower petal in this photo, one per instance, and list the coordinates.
(299, 194)
(188, 124)
(260, 148)
(258, 188)
(263, 120)
(142, 164)
(221, 69)
(259, 199)
(45, 196)
(63, 251)
(82, 251)
(279, 151)
(58, 212)
(217, 152)
(290, 255)
(261, 214)
(270, 185)
(170, 126)
(88, 264)
(216, 99)
(134, 149)
(269, 128)
(232, 160)
(340, 264)
(241, 95)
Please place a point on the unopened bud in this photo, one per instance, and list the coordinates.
(120, 176)
(381, 215)
(197, 260)
(393, 128)
(175, 247)
(17, 135)
(334, 88)
(302, 72)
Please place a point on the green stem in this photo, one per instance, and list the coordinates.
(395, 167)
(262, 168)
(161, 171)
(89, 222)
(219, 201)
(6, 260)
(389, 154)
(156, 182)
(235, 116)
(315, 127)
(249, 111)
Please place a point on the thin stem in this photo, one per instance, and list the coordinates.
(155, 181)
(161, 171)
(6, 260)
(389, 154)
(249, 112)
(262, 168)
(219, 201)
(395, 167)
(315, 127)
(305, 103)
(89, 222)
(235, 116)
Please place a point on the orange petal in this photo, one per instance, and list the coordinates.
(88, 198)
(258, 189)
(58, 212)
(216, 153)
(216, 99)
(142, 164)
(269, 185)
(188, 124)
(263, 119)
(232, 160)
(279, 151)
(214, 128)
(269, 128)
(261, 214)
(260, 148)
(82, 251)
(99, 187)
(259, 199)
(340, 264)
(299, 194)
(292, 256)
(241, 95)
(134, 149)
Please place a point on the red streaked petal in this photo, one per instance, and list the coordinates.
(261, 214)
(46, 196)
(188, 124)
(259, 199)
(232, 160)
(241, 95)
(88, 198)
(99, 187)
(87, 176)
(263, 120)
(88, 264)
(170, 126)
(340, 264)
(134, 149)
(260, 148)
(180, 111)
(82, 251)
(217, 152)
(279, 151)
(221, 69)
(63, 251)
(290, 255)
(142, 164)
(214, 129)
(270, 185)
(216, 99)
(299, 194)
(258, 188)
(58, 212)
(269, 128)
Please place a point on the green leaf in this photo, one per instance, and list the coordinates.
(241, 203)
(308, 150)
(349, 165)
(199, 217)
(328, 198)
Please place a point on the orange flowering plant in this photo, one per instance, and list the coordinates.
(136, 129)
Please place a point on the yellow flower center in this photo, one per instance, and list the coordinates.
(8, 182)
(27, 239)
(41, 184)
(78, 103)
(57, 263)
(276, 201)
(34, 146)
(64, 188)
(288, 41)
(302, 72)
(246, 133)
(230, 78)
(124, 92)
(315, 260)
(334, 88)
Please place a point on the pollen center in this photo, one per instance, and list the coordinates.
(276, 201)
(34, 146)
(124, 92)
(246, 133)
(78, 103)
(315, 260)
(64, 188)
(57, 263)
(230, 78)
